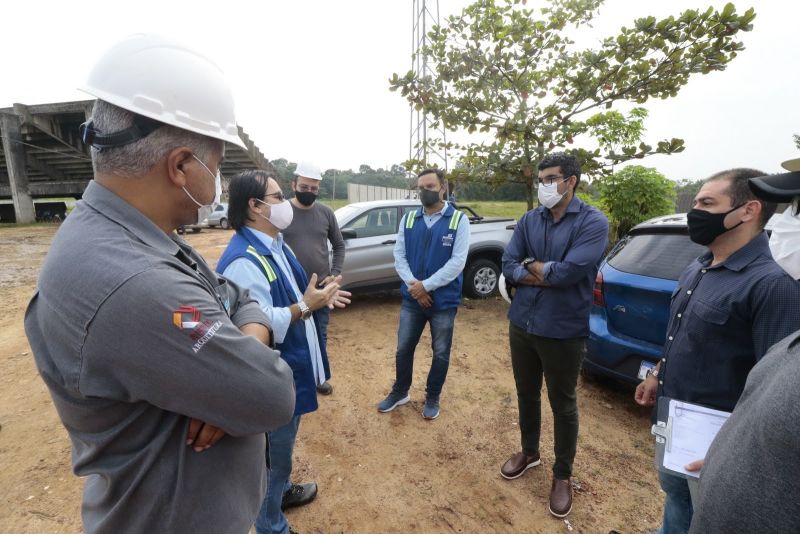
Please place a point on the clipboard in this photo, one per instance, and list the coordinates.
(684, 431)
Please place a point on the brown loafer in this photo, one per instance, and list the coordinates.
(518, 464)
(560, 498)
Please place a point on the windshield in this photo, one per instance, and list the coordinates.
(345, 213)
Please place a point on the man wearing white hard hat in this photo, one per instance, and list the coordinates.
(158, 368)
(784, 242)
(313, 226)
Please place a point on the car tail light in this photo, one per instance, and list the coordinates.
(599, 300)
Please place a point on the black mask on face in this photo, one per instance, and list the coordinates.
(306, 198)
(429, 198)
(705, 227)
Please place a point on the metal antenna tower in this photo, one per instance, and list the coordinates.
(422, 128)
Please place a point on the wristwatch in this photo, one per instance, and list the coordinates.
(305, 311)
(652, 372)
(527, 261)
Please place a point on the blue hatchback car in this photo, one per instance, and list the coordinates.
(628, 321)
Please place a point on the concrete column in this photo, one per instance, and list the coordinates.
(17, 174)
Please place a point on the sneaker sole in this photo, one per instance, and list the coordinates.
(560, 516)
(430, 418)
(533, 464)
(402, 401)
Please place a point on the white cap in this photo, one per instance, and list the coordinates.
(159, 78)
(307, 169)
(791, 165)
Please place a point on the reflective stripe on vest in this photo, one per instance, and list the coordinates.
(454, 218)
(410, 219)
(264, 263)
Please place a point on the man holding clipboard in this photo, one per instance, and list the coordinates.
(730, 306)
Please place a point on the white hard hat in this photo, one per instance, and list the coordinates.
(307, 169)
(506, 288)
(159, 78)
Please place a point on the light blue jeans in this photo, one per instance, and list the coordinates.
(270, 518)
(678, 508)
(413, 319)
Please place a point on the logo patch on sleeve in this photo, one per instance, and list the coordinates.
(201, 331)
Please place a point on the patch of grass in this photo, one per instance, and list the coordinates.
(489, 208)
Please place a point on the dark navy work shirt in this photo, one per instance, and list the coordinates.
(572, 248)
(723, 319)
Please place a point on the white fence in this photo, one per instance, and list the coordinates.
(362, 193)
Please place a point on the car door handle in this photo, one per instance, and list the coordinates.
(389, 242)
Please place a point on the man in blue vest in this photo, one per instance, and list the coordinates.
(429, 255)
(259, 260)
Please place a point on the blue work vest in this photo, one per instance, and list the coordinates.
(428, 249)
(294, 348)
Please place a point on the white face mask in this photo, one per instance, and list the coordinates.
(280, 215)
(549, 195)
(204, 210)
(785, 241)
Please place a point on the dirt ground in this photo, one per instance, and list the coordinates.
(377, 472)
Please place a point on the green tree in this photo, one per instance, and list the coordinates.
(513, 72)
(796, 140)
(635, 194)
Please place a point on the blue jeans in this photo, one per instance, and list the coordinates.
(677, 504)
(412, 322)
(270, 518)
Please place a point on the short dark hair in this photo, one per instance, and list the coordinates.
(569, 165)
(739, 191)
(248, 184)
(439, 174)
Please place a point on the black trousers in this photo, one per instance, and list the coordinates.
(558, 361)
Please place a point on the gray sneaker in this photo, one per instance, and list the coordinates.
(392, 401)
(431, 408)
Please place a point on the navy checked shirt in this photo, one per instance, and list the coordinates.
(572, 249)
(723, 319)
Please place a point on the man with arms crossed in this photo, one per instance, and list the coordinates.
(552, 258)
(143, 348)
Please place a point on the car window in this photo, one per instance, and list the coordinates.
(380, 221)
(657, 255)
(220, 208)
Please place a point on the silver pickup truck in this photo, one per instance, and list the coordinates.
(369, 230)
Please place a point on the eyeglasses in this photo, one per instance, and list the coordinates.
(551, 179)
(279, 196)
(307, 188)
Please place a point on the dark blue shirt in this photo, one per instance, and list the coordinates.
(723, 319)
(575, 244)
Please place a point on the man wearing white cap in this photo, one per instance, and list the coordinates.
(313, 226)
(158, 367)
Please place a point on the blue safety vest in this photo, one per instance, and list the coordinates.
(294, 348)
(428, 249)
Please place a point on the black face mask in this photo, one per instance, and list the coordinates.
(429, 198)
(306, 198)
(705, 227)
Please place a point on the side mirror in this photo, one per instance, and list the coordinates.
(349, 233)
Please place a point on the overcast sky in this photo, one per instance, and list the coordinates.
(310, 78)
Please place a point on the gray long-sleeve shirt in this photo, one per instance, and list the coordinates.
(134, 335)
(308, 236)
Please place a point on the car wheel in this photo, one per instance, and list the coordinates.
(196, 229)
(223, 223)
(480, 278)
